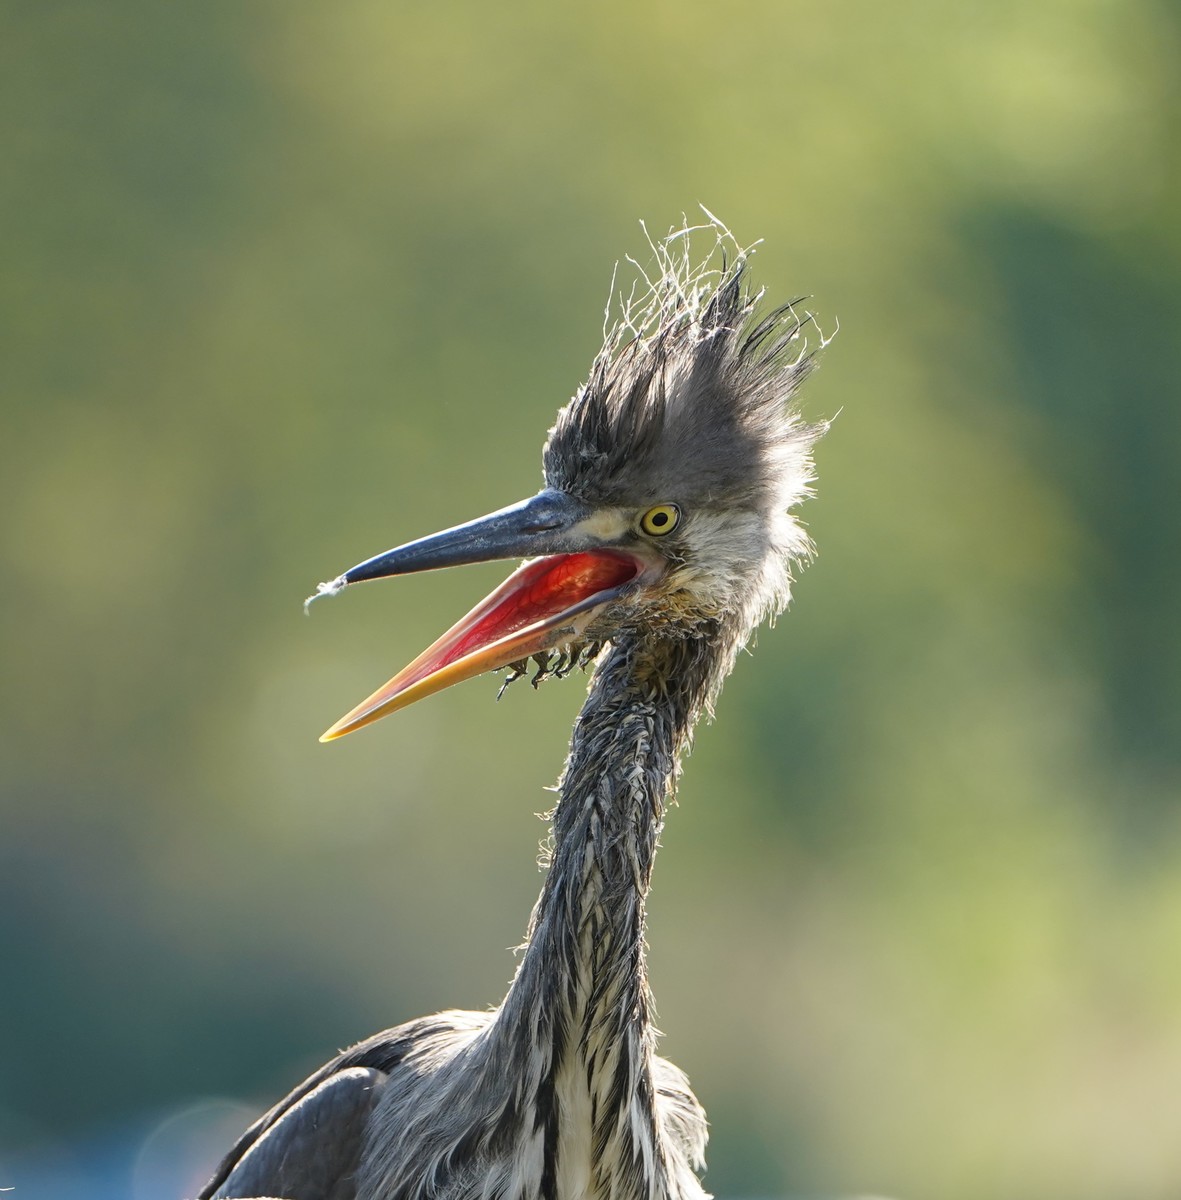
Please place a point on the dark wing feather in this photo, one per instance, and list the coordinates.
(308, 1147)
(313, 1149)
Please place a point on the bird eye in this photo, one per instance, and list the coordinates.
(660, 520)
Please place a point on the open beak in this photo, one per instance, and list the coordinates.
(544, 604)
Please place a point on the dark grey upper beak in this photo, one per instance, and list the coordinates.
(540, 525)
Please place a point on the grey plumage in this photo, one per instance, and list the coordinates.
(558, 1094)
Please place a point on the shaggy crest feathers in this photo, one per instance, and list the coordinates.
(689, 398)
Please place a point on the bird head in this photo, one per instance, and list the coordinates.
(669, 480)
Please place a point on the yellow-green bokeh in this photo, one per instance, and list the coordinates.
(285, 284)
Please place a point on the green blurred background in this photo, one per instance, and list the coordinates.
(284, 284)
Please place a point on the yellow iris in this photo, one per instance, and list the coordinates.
(660, 520)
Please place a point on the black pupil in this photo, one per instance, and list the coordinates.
(659, 519)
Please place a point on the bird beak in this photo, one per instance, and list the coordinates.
(544, 604)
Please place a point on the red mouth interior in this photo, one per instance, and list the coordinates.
(529, 613)
(542, 590)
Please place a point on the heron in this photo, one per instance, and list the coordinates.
(663, 536)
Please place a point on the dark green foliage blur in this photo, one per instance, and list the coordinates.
(284, 284)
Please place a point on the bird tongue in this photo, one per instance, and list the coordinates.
(541, 605)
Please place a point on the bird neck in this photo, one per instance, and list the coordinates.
(588, 926)
(580, 1004)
